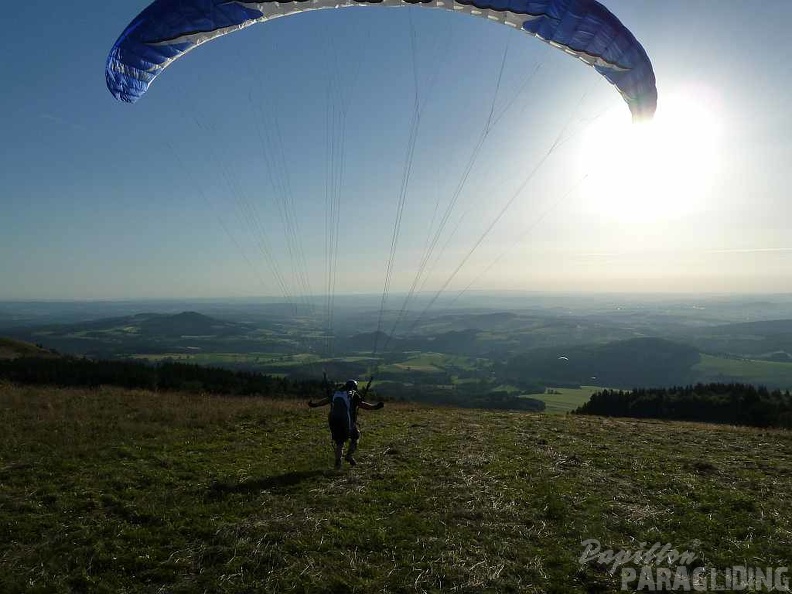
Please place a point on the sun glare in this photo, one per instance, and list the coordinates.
(655, 171)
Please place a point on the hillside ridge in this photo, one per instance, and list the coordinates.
(141, 491)
(11, 348)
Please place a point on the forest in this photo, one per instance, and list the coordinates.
(733, 404)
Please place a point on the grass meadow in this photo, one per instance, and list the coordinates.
(750, 371)
(564, 400)
(125, 491)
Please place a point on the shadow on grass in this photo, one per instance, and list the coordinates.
(278, 483)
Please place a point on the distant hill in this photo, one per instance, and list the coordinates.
(495, 321)
(188, 323)
(626, 363)
(761, 328)
(13, 349)
(136, 333)
(767, 339)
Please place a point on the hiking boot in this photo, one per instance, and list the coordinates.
(351, 460)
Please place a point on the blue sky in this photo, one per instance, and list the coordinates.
(172, 196)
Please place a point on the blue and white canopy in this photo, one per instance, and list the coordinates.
(168, 29)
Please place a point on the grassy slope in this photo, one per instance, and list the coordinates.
(11, 349)
(133, 491)
(745, 370)
(567, 399)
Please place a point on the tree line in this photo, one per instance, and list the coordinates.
(729, 403)
(68, 371)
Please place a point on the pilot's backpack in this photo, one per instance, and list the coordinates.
(340, 418)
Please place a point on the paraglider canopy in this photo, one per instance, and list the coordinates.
(585, 29)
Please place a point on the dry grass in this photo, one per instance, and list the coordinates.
(114, 490)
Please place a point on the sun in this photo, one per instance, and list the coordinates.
(656, 171)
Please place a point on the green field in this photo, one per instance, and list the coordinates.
(200, 358)
(430, 362)
(768, 373)
(567, 399)
(123, 491)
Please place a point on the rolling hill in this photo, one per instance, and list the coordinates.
(523, 348)
(145, 332)
(767, 339)
(622, 364)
